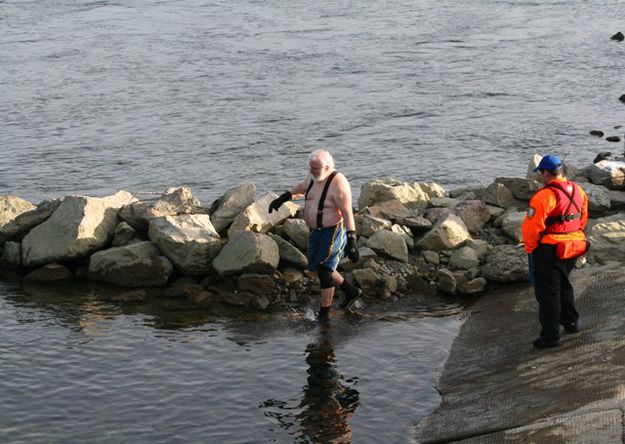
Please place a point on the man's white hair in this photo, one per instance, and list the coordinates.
(324, 156)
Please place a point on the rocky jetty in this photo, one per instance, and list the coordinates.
(414, 238)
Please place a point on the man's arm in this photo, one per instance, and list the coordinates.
(298, 190)
(343, 201)
(541, 204)
(294, 193)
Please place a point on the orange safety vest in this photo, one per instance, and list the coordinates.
(545, 203)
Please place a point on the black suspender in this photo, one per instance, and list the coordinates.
(322, 199)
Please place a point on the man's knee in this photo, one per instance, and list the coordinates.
(325, 278)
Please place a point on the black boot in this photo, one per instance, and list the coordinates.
(324, 315)
(350, 294)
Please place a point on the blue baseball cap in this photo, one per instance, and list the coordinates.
(550, 162)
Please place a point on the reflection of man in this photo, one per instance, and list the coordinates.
(553, 237)
(327, 404)
(328, 212)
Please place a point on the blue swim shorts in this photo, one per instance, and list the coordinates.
(325, 247)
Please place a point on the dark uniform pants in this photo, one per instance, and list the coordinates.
(554, 292)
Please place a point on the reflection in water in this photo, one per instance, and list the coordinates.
(327, 403)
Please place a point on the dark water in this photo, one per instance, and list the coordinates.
(75, 368)
(141, 95)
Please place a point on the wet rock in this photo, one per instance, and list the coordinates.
(474, 214)
(521, 188)
(597, 133)
(367, 225)
(608, 173)
(603, 155)
(389, 244)
(11, 207)
(123, 234)
(607, 238)
(419, 285)
(297, 230)
(130, 296)
(511, 225)
(261, 284)
(245, 300)
(136, 265)
(183, 288)
(289, 254)
(598, 197)
(231, 204)
(464, 258)
(248, 252)
(446, 281)
(618, 37)
(617, 200)
(50, 273)
(256, 216)
(613, 139)
(17, 228)
(506, 263)
(448, 233)
(79, 226)
(189, 241)
(474, 286)
(11, 258)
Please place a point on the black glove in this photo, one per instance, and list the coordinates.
(278, 201)
(352, 247)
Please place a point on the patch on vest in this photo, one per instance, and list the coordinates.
(530, 212)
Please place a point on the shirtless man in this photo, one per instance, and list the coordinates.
(332, 227)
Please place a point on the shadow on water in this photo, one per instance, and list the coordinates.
(328, 399)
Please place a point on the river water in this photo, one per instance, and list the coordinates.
(101, 95)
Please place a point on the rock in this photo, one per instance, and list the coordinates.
(136, 265)
(11, 256)
(434, 215)
(477, 285)
(446, 281)
(444, 202)
(245, 300)
(471, 192)
(495, 211)
(189, 241)
(431, 257)
(248, 252)
(11, 207)
(598, 197)
(289, 254)
(603, 155)
(618, 37)
(405, 233)
(617, 200)
(231, 204)
(256, 216)
(292, 276)
(258, 284)
(367, 225)
(135, 214)
(521, 188)
(480, 246)
(366, 256)
(447, 233)
(380, 190)
(474, 214)
(392, 210)
(130, 296)
(533, 163)
(17, 228)
(506, 263)
(297, 230)
(613, 139)
(416, 223)
(79, 226)
(622, 98)
(175, 201)
(597, 133)
(499, 195)
(123, 234)
(390, 284)
(608, 173)
(368, 280)
(420, 286)
(183, 288)
(50, 273)
(511, 225)
(464, 258)
(389, 244)
(607, 238)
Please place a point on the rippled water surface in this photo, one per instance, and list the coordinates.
(102, 95)
(77, 369)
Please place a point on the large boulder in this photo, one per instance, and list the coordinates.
(368, 280)
(297, 230)
(256, 217)
(474, 214)
(50, 273)
(393, 210)
(511, 225)
(136, 265)
(499, 195)
(608, 173)
(448, 233)
(380, 190)
(506, 263)
(607, 238)
(598, 197)
(17, 228)
(79, 226)
(248, 252)
(367, 225)
(262, 284)
(389, 244)
(11, 255)
(464, 258)
(289, 254)
(231, 204)
(189, 241)
(123, 235)
(11, 207)
(521, 188)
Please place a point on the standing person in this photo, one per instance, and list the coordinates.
(553, 237)
(328, 212)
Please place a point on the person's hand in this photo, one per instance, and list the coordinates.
(278, 201)
(352, 247)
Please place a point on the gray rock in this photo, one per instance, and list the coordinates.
(420, 286)
(431, 257)
(474, 286)
(368, 280)
(446, 281)
(480, 246)
(136, 265)
(11, 256)
(297, 230)
(256, 216)
(289, 254)
(189, 241)
(79, 226)
(123, 234)
(231, 204)
(17, 228)
(598, 197)
(494, 212)
(607, 238)
(416, 223)
(50, 273)
(434, 215)
(533, 163)
(367, 225)
(447, 233)
(617, 200)
(392, 210)
(511, 225)
(405, 233)
(389, 244)
(499, 195)
(248, 252)
(261, 284)
(521, 188)
(130, 296)
(506, 263)
(175, 201)
(292, 276)
(474, 214)
(135, 214)
(384, 189)
(464, 258)
(11, 207)
(366, 256)
(608, 173)
(444, 202)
